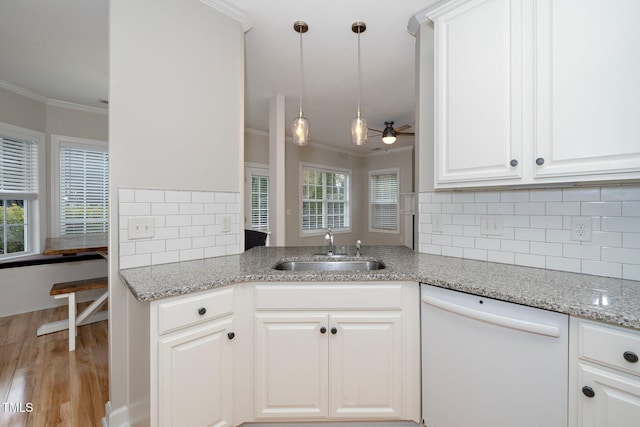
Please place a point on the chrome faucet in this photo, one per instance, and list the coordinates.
(358, 244)
(328, 238)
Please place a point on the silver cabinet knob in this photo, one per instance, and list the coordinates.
(514, 163)
(539, 161)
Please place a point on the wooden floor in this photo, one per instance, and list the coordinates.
(64, 388)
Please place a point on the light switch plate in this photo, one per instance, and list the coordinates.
(436, 223)
(226, 224)
(141, 227)
(491, 225)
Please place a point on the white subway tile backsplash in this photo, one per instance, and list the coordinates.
(487, 196)
(546, 195)
(474, 208)
(451, 251)
(581, 194)
(463, 219)
(558, 236)
(501, 208)
(479, 254)
(514, 196)
(485, 243)
(126, 195)
(439, 239)
(225, 198)
(149, 196)
(501, 257)
(563, 264)
(624, 223)
(463, 197)
(441, 197)
(530, 234)
(630, 208)
(529, 208)
(463, 242)
(631, 271)
(177, 196)
(563, 208)
(546, 222)
(622, 255)
(452, 208)
(581, 251)
(431, 207)
(631, 240)
(599, 268)
(515, 221)
(454, 230)
(187, 225)
(601, 209)
(530, 260)
(548, 249)
(620, 193)
(517, 246)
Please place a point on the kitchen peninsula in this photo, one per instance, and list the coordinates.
(563, 292)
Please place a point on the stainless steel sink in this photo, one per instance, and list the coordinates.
(329, 265)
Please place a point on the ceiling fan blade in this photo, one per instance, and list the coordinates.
(405, 133)
(375, 130)
(401, 128)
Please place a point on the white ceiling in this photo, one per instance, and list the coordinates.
(59, 50)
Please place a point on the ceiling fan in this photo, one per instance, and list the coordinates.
(389, 134)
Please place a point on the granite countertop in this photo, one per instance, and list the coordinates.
(609, 300)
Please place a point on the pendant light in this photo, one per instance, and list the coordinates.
(359, 127)
(300, 125)
(389, 134)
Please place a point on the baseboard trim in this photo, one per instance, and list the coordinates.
(116, 417)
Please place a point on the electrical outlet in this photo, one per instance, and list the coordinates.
(581, 228)
(141, 227)
(436, 223)
(226, 224)
(491, 225)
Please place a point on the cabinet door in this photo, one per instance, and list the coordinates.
(291, 365)
(587, 91)
(365, 364)
(616, 399)
(478, 84)
(195, 376)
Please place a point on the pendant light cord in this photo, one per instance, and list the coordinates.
(301, 73)
(359, 72)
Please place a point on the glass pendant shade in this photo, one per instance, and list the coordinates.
(359, 131)
(300, 130)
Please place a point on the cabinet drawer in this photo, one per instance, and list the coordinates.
(186, 311)
(608, 346)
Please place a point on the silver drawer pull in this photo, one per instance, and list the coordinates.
(202, 311)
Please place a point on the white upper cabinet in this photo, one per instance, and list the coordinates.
(478, 91)
(587, 88)
(535, 92)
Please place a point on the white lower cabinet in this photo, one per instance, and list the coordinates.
(360, 362)
(195, 376)
(605, 375)
(328, 365)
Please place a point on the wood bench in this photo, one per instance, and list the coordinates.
(69, 290)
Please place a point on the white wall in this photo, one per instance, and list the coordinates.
(24, 289)
(176, 123)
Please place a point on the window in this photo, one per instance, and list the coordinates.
(260, 202)
(383, 194)
(325, 199)
(83, 186)
(20, 178)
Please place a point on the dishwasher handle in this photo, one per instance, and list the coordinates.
(496, 319)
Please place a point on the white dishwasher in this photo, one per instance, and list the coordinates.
(489, 363)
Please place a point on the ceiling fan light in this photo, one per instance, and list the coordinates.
(389, 134)
(300, 130)
(359, 131)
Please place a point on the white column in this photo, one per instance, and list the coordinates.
(276, 170)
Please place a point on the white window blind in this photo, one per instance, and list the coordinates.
(18, 168)
(84, 190)
(384, 201)
(259, 202)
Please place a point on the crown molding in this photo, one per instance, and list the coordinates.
(425, 14)
(231, 11)
(79, 107)
(24, 92)
(48, 101)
